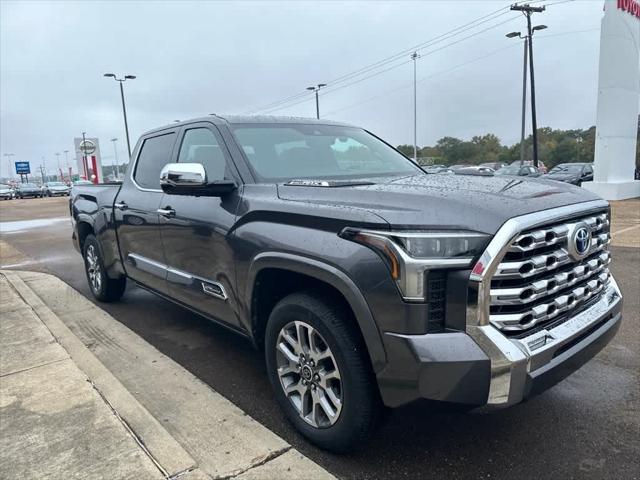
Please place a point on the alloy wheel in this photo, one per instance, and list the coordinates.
(309, 374)
(93, 268)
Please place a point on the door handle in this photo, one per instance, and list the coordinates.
(167, 212)
(121, 205)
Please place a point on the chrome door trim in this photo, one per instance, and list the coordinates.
(196, 283)
(147, 265)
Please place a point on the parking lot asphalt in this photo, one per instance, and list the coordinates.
(588, 426)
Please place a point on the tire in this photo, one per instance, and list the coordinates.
(330, 325)
(103, 288)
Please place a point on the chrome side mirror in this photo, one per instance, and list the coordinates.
(191, 179)
(182, 175)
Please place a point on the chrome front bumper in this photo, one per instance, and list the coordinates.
(516, 363)
(520, 365)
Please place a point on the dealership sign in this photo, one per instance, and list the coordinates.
(631, 6)
(87, 147)
(23, 168)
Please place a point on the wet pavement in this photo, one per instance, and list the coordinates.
(588, 426)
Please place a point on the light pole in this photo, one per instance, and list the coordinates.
(414, 57)
(115, 156)
(124, 108)
(316, 89)
(524, 92)
(527, 10)
(59, 169)
(9, 155)
(66, 162)
(578, 142)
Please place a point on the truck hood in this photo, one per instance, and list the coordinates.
(426, 201)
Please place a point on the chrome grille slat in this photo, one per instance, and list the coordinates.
(539, 281)
(544, 312)
(513, 296)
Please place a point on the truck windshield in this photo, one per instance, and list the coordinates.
(298, 151)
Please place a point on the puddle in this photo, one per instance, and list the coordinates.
(22, 225)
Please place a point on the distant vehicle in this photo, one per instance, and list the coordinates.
(475, 170)
(494, 165)
(82, 182)
(433, 168)
(6, 192)
(519, 171)
(462, 165)
(542, 168)
(29, 190)
(574, 173)
(52, 189)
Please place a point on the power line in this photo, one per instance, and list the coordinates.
(376, 73)
(455, 67)
(451, 33)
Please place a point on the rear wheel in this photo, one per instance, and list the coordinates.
(104, 289)
(320, 371)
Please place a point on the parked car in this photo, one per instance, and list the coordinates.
(82, 182)
(494, 165)
(6, 192)
(519, 171)
(28, 190)
(374, 285)
(542, 168)
(475, 170)
(433, 168)
(574, 173)
(52, 189)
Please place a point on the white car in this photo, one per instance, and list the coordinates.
(51, 189)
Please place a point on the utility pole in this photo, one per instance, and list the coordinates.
(527, 10)
(414, 57)
(316, 89)
(524, 93)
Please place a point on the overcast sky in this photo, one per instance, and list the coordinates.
(192, 59)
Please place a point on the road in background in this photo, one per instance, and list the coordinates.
(585, 427)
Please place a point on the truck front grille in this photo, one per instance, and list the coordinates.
(540, 283)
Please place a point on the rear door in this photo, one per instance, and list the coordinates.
(136, 212)
(195, 233)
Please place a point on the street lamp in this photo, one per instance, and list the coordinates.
(124, 108)
(316, 89)
(115, 156)
(528, 51)
(9, 155)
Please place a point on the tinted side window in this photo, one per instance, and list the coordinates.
(200, 145)
(588, 170)
(155, 154)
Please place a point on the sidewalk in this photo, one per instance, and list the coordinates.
(81, 396)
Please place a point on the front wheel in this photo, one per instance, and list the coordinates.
(103, 288)
(320, 371)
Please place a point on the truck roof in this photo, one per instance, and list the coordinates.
(248, 119)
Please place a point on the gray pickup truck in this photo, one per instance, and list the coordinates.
(366, 281)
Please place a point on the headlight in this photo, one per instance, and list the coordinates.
(410, 254)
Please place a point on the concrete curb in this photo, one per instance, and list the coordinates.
(202, 434)
(162, 448)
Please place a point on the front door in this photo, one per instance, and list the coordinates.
(195, 230)
(136, 213)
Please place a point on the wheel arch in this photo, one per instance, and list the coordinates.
(307, 271)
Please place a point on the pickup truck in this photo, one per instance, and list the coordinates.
(368, 282)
